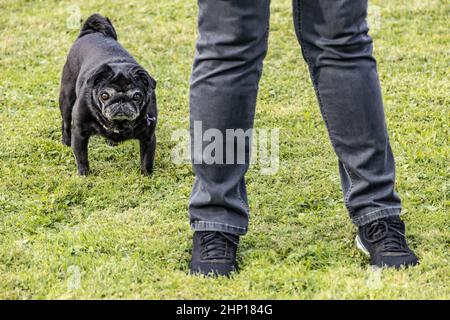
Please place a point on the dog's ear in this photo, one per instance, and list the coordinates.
(143, 75)
(100, 74)
(112, 29)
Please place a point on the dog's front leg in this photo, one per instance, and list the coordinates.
(80, 140)
(67, 98)
(147, 150)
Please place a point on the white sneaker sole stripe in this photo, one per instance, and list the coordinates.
(361, 247)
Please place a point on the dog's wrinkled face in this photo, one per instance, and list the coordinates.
(120, 91)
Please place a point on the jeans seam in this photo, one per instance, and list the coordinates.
(315, 81)
(238, 194)
(347, 194)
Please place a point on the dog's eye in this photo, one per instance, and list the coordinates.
(137, 96)
(104, 96)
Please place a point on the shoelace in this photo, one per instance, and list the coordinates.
(215, 245)
(393, 240)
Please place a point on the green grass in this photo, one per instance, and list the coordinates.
(128, 235)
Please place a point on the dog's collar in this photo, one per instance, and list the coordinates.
(149, 119)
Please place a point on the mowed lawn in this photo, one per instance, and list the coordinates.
(117, 234)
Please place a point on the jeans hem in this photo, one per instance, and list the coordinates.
(216, 226)
(375, 215)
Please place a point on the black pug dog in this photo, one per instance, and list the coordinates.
(105, 91)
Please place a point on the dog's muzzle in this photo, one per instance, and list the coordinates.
(120, 112)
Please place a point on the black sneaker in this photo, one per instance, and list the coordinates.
(214, 253)
(384, 241)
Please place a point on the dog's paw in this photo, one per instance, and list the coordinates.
(146, 172)
(66, 141)
(83, 171)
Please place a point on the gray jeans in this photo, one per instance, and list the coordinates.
(230, 49)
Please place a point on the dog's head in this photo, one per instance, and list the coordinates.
(121, 90)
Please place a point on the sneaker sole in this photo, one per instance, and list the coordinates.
(360, 246)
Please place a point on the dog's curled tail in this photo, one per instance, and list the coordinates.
(98, 23)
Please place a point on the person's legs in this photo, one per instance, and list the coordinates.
(338, 50)
(231, 46)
